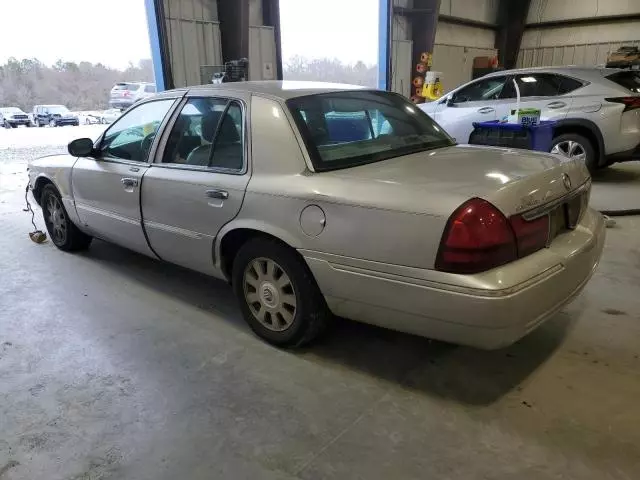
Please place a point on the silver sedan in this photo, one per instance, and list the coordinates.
(319, 200)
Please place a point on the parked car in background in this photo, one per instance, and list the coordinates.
(125, 94)
(89, 118)
(54, 116)
(318, 199)
(12, 117)
(596, 109)
(111, 115)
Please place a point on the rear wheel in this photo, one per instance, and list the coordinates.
(576, 147)
(278, 296)
(63, 233)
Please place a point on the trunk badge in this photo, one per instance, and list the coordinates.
(566, 180)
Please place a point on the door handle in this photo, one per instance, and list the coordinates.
(486, 110)
(555, 105)
(219, 194)
(129, 182)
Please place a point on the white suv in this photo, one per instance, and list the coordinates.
(125, 94)
(597, 110)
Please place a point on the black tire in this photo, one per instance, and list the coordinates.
(73, 239)
(591, 159)
(13, 125)
(311, 315)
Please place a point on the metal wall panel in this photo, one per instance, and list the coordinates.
(581, 54)
(401, 67)
(194, 38)
(546, 11)
(262, 53)
(456, 63)
(480, 10)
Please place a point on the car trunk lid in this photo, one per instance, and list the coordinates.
(437, 182)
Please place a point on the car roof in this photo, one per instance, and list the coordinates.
(571, 70)
(283, 89)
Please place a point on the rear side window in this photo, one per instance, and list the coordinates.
(150, 89)
(568, 84)
(208, 133)
(533, 85)
(629, 80)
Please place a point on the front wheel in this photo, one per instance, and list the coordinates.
(52, 123)
(278, 295)
(576, 147)
(63, 233)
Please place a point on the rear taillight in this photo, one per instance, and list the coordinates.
(478, 237)
(630, 103)
(126, 93)
(531, 235)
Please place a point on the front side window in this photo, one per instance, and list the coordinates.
(486, 89)
(131, 136)
(207, 133)
(347, 129)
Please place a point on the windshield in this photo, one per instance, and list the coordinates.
(346, 129)
(10, 111)
(57, 109)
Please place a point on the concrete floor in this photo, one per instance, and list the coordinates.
(113, 365)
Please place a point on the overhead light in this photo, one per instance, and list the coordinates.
(528, 79)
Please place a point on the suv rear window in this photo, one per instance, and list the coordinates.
(126, 86)
(629, 80)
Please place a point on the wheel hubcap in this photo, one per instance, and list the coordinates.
(56, 220)
(269, 293)
(570, 149)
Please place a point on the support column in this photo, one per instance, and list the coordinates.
(159, 44)
(271, 18)
(234, 28)
(385, 18)
(512, 18)
(424, 21)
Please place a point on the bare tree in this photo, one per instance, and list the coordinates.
(80, 86)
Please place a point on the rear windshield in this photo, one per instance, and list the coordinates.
(629, 80)
(126, 86)
(346, 129)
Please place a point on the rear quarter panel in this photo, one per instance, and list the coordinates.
(282, 185)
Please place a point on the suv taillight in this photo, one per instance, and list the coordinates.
(478, 237)
(630, 103)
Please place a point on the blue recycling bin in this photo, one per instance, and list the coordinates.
(530, 137)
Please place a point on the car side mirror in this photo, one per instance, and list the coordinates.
(449, 102)
(81, 147)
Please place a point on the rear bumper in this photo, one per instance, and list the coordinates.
(487, 318)
(121, 103)
(67, 121)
